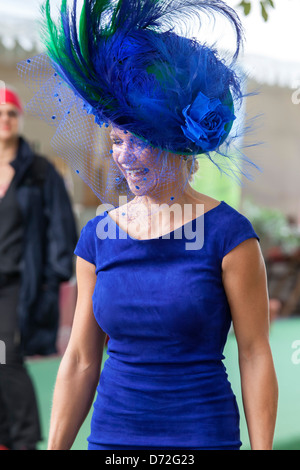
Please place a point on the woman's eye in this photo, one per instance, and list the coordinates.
(12, 114)
(117, 141)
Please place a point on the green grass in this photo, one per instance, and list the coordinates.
(287, 434)
(43, 373)
(283, 334)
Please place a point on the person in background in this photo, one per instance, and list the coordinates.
(37, 238)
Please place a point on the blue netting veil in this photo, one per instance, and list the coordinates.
(134, 103)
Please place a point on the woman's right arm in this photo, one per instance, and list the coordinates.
(80, 367)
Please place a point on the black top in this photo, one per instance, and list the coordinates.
(11, 232)
(48, 237)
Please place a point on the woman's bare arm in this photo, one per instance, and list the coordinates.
(244, 278)
(79, 370)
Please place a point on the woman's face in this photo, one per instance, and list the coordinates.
(9, 122)
(139, 163)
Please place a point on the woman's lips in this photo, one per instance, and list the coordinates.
(135, 173)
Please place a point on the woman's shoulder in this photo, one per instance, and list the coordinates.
(233, 227)
(196, 198)
(230, 216)
(87, 244)
(93, 222)
(226, 214)
(209, 203)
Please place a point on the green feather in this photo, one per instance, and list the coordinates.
(83, 33)
(49, 31)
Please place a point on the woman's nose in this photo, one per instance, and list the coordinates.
(4, 117)
(126, 155)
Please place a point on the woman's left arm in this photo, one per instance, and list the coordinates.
(245, 283)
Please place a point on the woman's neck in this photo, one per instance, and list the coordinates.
(8, 150)
(175, 195)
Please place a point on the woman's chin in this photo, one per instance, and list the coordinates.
(139, 187)
(7, 135)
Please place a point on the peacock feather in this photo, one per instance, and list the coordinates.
(124, 59)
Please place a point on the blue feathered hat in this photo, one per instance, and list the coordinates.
(132, 64)
(126, 62)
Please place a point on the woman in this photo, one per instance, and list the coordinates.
(35, 256)
(166, 307)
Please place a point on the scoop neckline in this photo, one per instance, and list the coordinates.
(168, 235)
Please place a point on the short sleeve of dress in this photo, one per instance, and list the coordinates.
(86, 246)
(237, 231)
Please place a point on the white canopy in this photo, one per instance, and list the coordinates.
(271, 54)
(272, 48)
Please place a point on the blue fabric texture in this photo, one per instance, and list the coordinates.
(165, 311)
(92, 446)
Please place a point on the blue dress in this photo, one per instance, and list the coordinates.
(163, 305)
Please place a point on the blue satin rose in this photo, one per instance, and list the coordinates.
(207, 122)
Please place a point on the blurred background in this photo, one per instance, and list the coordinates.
(271, 60)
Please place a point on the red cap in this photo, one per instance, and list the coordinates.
(8, 96)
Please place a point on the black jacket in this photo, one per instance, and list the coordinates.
(50, 236)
